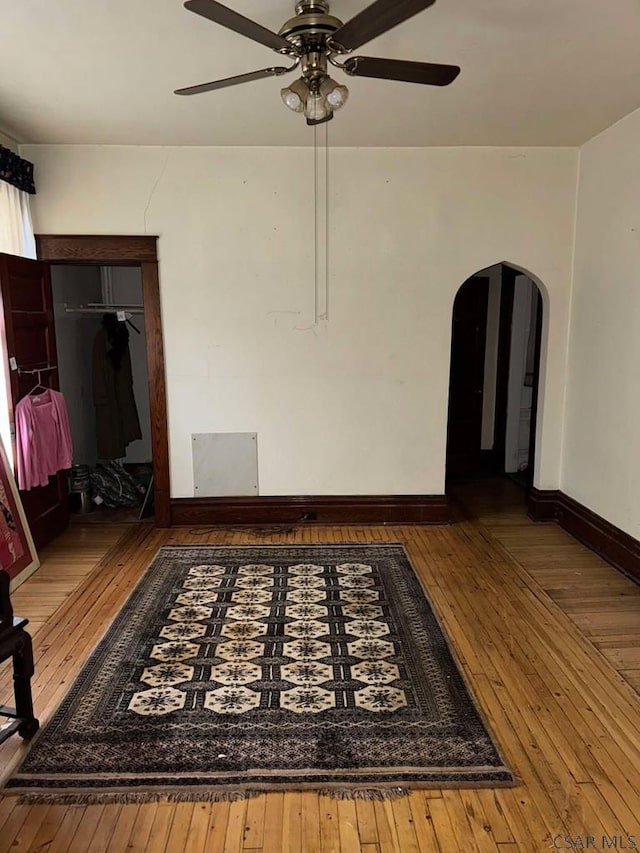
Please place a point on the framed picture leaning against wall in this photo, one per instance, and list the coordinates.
(17, 552)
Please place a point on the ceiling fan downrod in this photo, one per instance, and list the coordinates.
(304, 6)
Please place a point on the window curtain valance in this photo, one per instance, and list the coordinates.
(16, 171)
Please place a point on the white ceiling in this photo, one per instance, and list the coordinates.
(534, 72)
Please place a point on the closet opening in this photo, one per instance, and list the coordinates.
(103, 374)
(141, 252)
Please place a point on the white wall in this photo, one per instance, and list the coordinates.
(601, 463)
(357, 405)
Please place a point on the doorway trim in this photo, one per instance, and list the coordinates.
(140, 251)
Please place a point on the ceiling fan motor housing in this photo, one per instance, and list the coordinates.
(310, 28)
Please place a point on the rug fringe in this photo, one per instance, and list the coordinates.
(135, 797)
(142, 797)
(379, 794)
(212, 796)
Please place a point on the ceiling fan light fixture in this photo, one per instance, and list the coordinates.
(317, 109)
(336, 94)
(296, 95)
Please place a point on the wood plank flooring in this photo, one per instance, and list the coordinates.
(547, 635)
(605, 605)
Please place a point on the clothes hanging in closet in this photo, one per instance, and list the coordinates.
(117, 422)
(43, 438)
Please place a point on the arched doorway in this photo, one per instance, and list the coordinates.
(494, 375)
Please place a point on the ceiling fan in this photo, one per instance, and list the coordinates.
(313, 39)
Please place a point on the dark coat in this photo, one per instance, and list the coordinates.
(117, 422)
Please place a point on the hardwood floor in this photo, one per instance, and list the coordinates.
(546, 633)
(604, 604)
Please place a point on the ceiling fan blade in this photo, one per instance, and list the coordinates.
(238, 23)
(375, 20)
(232, 81)
(428, 73)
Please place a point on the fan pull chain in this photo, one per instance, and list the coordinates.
(321, 199)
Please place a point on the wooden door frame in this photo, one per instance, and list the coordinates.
(130, 251)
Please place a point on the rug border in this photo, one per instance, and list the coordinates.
(371, 791)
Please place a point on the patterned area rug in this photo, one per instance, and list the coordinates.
(233, 670)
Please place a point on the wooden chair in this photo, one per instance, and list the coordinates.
(15, 642)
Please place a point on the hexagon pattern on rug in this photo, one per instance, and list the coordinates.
(231, 700)
(354, 569)
(174, 651)
(157, 701)
(306, 650)
(307, 672)
(375, 672)
(359, 596)
(306, 611)
(240, 650)
(202, 582)
(307, 628)
(197, 596)
(167, 674)
(305, 700)
(209, 571)
(255, 569)
(183, 631)
(192, 613)
(306, 569)
(251, 596)
(362, 611)
(306, 582)
(248, 611)
(306, 596)
(236, 673)
(243, 630)
(380, 698)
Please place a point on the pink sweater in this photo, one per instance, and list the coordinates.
(43, 438)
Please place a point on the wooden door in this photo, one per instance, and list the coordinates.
(466, 381)
(29, 333)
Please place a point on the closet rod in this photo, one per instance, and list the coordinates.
(110, 305)
(38, 369)
(103, 309)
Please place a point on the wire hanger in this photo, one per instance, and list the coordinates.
(38, 385)
(125, 317)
